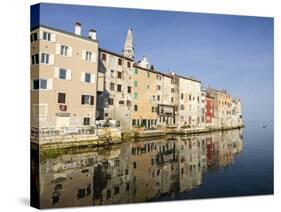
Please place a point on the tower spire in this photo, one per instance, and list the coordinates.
(129, 50)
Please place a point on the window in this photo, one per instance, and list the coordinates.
(148, 74)
(112, 86)
(103, 56)
(153, 98)
(110, 101)
(63, 50)
(182, 107)
(158, 97)
(47, 36)
(86, 121)
(119, 75)
(189, 97)
(135, 95)
(88, 56)
(116, 190)
(148, 87)
(81, 193)
(61, 98)
(135, 108)
(136, 71)
(128, 64)
(33, 37)
(136, 83)
(62, 73)
(158, 77)
(129, 89)
(40, 84)
(119, 88)
(158, 87)
(87, 100)
(172, 90)
(129, 103)
(35, 59)
(172, 99)
(152, 109)
(87, 78)
(45, 58)
(119, 61)
(112, 73)
(182, 96)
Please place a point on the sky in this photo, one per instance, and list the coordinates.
(223, 51)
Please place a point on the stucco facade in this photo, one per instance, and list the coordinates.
(144, 98)
(209, 110)
(189, 104)
(63, 78)
(115, 95)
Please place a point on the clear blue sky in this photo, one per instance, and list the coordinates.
(226, 52)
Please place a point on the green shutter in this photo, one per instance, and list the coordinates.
(136, 95)
(136, 71)
(136, 83)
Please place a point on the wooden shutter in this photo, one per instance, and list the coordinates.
(92, 100)
(82, 76)
(83, 99)
(53, 37)
(69, 51)
(68, 74)
(50, 84)
(51, 59)
(41, 35)
(83, 55)
(93, 78)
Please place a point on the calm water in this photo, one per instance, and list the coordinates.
(219, 164)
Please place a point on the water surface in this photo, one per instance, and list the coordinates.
(218, 164)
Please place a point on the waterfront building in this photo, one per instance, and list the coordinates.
(189, 101)
(75, 83)
(63, 78)
(236, 112)
(203, 108)
(115, 90)
(222, 107)
(209, 110)
(145, 97)
(154, 103)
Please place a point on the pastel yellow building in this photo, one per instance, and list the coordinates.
(145, 98)
(63, 77)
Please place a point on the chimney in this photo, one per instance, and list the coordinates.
(77, 28)
(93, 34)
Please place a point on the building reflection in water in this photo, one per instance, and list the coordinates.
(136, 171)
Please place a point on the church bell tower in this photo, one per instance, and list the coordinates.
(129, 50)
